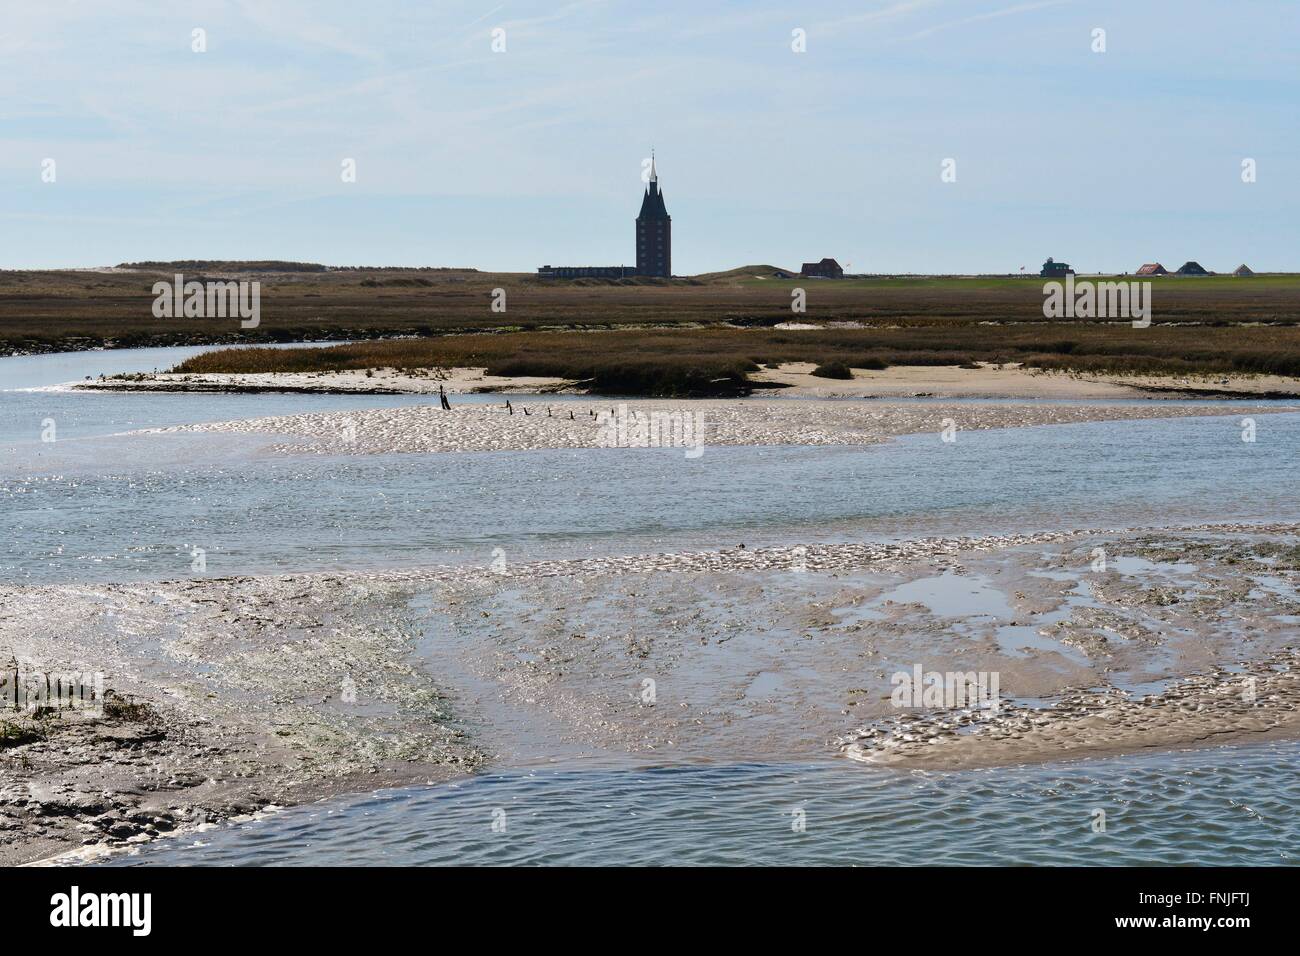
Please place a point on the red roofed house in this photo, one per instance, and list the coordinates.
(1152, 269)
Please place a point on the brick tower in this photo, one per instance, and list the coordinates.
(654, 232)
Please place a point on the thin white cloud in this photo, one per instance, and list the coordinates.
(991, 15)
(891, 12)
(568, 10)
(477, 20)
(301, 25)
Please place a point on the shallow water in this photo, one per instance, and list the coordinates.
(96, 505)
(131, 507)
(59, 368)
(1222, 806)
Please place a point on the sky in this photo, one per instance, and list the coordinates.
(508, 159)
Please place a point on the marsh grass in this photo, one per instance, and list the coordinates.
(43, 311)
(17, 733)
(117, 707)
(833, 370)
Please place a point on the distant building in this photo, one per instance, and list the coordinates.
(1242, 270)
(826, 269)
(1053, 269)
(654, 231)
(1190, 268)
(1152, 269)
(585, 272)
(654, 243)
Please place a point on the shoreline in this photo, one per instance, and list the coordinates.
(240, 677)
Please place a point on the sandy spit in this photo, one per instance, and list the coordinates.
(1258, 700)
(383, 381)
(1015, 381)
(534, 424)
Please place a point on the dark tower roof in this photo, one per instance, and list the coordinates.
(652, 206)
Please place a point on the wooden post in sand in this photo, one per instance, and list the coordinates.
(9, 684)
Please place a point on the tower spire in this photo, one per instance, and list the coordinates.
(654, 229)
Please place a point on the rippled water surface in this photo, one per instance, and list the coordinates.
(98, 505)
(1224, 806)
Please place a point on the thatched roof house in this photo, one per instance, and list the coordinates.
(1242, 270)
(1192, 268)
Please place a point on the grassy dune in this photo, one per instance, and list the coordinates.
(48, 311)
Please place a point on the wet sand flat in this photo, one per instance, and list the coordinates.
(534, 424)
(267, 690)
